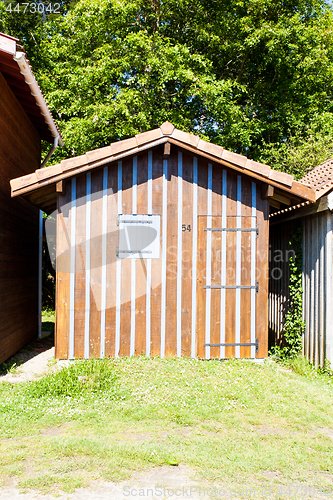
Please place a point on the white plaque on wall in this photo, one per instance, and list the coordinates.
(139, 236)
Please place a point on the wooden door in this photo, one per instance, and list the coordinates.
(227, 287)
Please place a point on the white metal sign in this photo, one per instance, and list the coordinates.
(139, 236)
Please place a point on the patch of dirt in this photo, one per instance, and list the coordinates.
(270, 474)
(162, 483)
(173, 432)
(327, 476)
(28, 469)
(266, 430)
(325, 430)
(218, 432)
(159, 483)
(188, 431)
(55, 431)
(33, 361)
(134, 436)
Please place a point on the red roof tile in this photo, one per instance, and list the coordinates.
(320, 179)
(140, 142)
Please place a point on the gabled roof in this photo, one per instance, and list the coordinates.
(166, 133)
(16, 70)
(320, 179)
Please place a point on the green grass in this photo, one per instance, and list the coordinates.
(48, 315)
(232, 422)
(48, 320)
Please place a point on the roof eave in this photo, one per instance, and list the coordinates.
(119, 150)
(8, 45)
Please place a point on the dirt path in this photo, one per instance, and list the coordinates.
(161, 483)
(33, 361)
(158, 484)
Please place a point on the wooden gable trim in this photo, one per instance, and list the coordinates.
(297, 189)
(119, 150)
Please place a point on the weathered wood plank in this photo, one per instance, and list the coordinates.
(80, 267)
(201, 256)
(141, 266)
(245, 320)
(262, 274)
(111, 274)
(156, 264)
(125, 321)
(201, 280)
(96, 262)
(215, 320)
(230, 295)
(187, 243)
(62, 277)
(171, 275)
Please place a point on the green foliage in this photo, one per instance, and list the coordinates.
(79, 378)
(294, 324)
(20, 19)
(256, 79)
(326, 369)
(303, 151)
(301, 366)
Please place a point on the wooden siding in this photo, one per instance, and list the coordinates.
(317, 288)
(19, 155)
(123, 307)
(316, 283)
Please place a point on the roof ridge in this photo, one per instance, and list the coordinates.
(166, 132)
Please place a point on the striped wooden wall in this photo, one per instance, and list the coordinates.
(120, 307)
(317, 288)
(317, 284)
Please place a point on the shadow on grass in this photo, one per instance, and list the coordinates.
(35, 347)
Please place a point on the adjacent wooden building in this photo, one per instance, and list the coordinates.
(22, 126)
(162, 247)
(316, 221)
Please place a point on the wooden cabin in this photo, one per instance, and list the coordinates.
(22, 127)
(316, 220)
(162, 247)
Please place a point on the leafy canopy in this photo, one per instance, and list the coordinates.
(252, 75)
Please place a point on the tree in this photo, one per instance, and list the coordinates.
(26, 21)
(300, 153)
(251, 75)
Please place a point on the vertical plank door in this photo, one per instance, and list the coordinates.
(240, 289)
